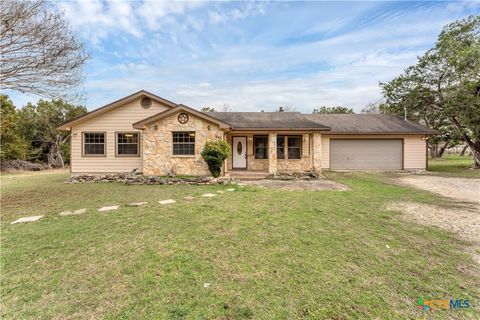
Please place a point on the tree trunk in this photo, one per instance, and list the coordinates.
(55, 158)
(433, 150)
(442, 149)
(474, 146)
(462, 153)
(437, 149)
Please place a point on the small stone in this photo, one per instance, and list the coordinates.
(208, 195)
(70, 213)
(80, 211)
(387, 246)
(137, 204)
(108, 208)
(220, 191)
(188, 198)
(207, 284)
(231, 189)
(27, 219)
(167, 201)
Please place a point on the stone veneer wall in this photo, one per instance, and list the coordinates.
(298, 165)
(317, 152)
(158, 158)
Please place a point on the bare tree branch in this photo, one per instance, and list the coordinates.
(39, 53)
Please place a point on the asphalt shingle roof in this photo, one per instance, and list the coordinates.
(338, 123)
(368, 123)
(267, 120)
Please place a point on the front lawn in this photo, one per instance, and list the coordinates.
(253, 253)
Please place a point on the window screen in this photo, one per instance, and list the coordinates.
(94, 143)
(183, 143)
(294, 147)
(280, 147)
(260, 144)
(127, 144)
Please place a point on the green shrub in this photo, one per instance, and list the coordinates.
(214, 153)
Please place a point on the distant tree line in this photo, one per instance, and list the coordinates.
(29, 133)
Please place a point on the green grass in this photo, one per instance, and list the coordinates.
(453, 166)
(268, 254)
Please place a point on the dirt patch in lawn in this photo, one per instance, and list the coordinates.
(320, 184)
(463, 221)
(459, 189)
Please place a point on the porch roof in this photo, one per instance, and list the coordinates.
(268, 121)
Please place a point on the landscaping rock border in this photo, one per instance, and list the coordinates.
(136, 179)
(307, 175)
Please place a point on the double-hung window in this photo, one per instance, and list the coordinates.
(289, 147)
(94, 144)
(294, 147)
(128, 144)
(184, 143)
(260, 144)
(280, 147)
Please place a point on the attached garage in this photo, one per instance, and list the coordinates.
(366, 154)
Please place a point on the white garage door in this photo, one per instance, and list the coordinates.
(366, 154)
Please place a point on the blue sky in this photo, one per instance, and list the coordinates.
(253, 56)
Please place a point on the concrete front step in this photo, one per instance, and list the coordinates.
(249, 175)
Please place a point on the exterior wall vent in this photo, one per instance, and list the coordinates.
(146, 102)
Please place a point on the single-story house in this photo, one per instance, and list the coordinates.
(158, 137)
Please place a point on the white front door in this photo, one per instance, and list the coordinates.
(239, 151)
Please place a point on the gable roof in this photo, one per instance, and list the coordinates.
(204, 115)
(113, 105)
(269, 121)
(369, 124)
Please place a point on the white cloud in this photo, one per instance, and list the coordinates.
(96, 20)
(254, 55)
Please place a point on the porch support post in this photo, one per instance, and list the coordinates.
(272, 153)
(225, 162)
(317, 153)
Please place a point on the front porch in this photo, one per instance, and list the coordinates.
(262, 153)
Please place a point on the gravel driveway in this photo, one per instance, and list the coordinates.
(464, 220)
(459, 189)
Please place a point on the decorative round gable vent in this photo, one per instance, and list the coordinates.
(183, 118)
(146, 102)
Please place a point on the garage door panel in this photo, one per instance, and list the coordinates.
(366, 154)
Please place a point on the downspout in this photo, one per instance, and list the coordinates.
(426, 153)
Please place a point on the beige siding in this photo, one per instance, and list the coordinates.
(119, 119)
(414, 152)
(414, 149)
